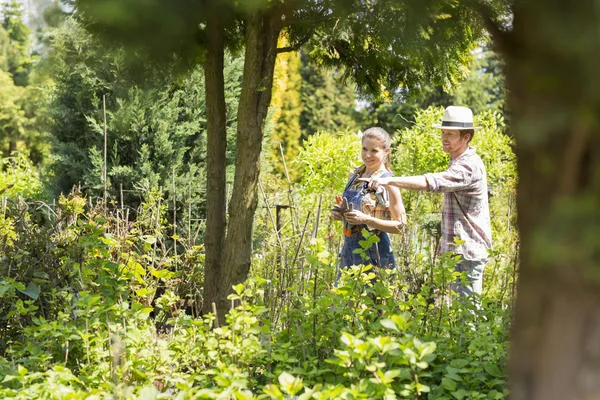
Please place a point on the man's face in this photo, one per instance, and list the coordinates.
(453, 143)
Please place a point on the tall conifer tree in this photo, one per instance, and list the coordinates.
(286, 107)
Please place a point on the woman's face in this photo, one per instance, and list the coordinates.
(373, 153)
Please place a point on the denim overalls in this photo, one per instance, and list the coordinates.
(379, 254)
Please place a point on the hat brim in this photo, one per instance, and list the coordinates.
(455, 128)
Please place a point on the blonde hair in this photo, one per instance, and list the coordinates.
(384, 138)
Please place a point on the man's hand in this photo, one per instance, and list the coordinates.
(374, 183)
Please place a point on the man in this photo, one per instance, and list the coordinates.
(465, 210)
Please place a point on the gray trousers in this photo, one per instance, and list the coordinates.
(474, 281)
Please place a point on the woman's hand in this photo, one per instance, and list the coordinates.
(356, 217)
(336, 215)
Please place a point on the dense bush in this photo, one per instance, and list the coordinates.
(19, 177)
(94, 308)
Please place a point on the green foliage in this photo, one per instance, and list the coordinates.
(328, 104)
(17, 52)
(418, 150)
(156, 132)
(481, 88)
(380, 353)
(103, 316)
(23, 93)
(399, 111)
(76, 258)
(23, 118)
(283, 136)
(18, 177)
(66, 329)
(326, 160)
(484, 88)
(36, 141)
(382, 45)
(12, 116)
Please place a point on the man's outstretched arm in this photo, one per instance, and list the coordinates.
(403, 182)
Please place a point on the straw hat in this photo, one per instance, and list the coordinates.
(456, 117)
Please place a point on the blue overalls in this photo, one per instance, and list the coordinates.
(379, 254)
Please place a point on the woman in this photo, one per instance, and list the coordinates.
(380, 212)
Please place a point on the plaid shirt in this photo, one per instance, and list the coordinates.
(367, 201)
(370, 205)
(464, 185)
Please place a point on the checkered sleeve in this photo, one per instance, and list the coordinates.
(460, 176)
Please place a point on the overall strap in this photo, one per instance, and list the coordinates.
(355, 175)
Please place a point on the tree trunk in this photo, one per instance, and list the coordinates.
(12, 147)
(255, 97)
(215, 160)
(554, 97)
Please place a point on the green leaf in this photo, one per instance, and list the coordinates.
(426, 349)
(149, 239)
(33, 290)
(162, 273)
(493, 370)
(4, 288)
(423, 388)
(9, 378)
(459, 363)
(149, 393)
(239, 288)
(273, 391)
(346, 338)
(448, 384)
(389, 324)
(136, 269)
(422, 364)
(391, 374)
(290, 384)
(41, 275)
(459, 394)
(241, 395)
(144, 292)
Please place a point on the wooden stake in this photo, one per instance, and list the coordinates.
(104, 165)
(174, 218)
(214, 309)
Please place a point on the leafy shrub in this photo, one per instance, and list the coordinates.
(18, 177)
(326, 161)
(95, 306)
